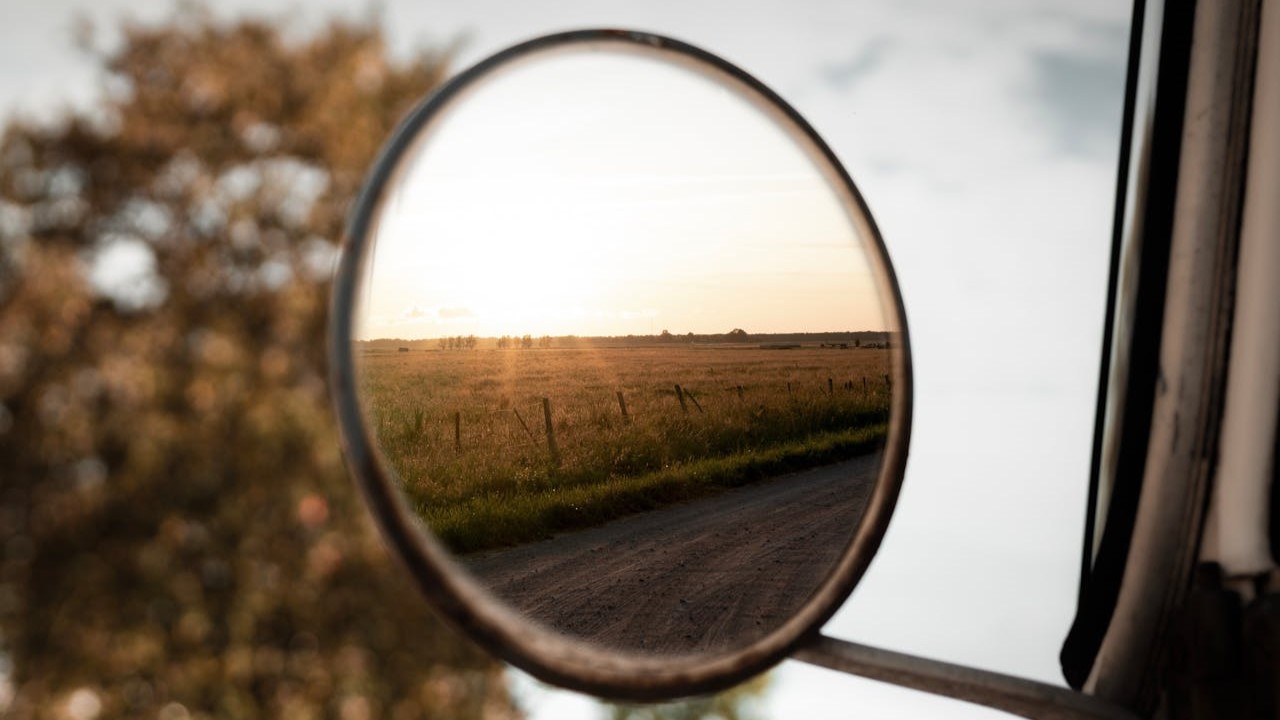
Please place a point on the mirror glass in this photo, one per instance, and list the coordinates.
(624, 340)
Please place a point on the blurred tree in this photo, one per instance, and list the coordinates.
(738, 703)
(178, 533)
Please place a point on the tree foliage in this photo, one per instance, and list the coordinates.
(176, 525)
(737, 703)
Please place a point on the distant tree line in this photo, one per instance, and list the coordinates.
(853, 339)
(524, 342)
(458, 342)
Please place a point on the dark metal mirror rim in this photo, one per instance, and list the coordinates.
(541, 652)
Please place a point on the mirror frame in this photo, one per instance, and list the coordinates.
(547, 655)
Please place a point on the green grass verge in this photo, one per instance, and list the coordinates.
(513, 517)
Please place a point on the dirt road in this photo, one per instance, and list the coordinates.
(704, 575)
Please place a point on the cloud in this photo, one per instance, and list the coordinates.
(843, 76)
(1075, 81)
(454, 313)
(1081, 99)
(419, 313)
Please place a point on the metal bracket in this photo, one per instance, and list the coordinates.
(1019, 696)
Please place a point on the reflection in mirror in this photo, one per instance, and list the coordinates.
(626, 349)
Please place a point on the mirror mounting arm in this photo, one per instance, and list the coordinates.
(1019, 696)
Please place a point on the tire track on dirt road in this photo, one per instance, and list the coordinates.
(704, 575)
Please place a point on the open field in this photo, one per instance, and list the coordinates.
(467, 431)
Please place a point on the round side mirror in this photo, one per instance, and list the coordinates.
(621, 365)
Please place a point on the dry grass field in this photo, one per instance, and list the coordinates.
(467, 433)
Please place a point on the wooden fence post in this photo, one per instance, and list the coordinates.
(680, 397)
(622, 404)
(551, 432)
(457, 431)
(740, 392)
(831, 387)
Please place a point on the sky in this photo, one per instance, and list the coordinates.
(983, 135)
(609, 191)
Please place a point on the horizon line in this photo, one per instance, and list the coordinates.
(629, 335)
